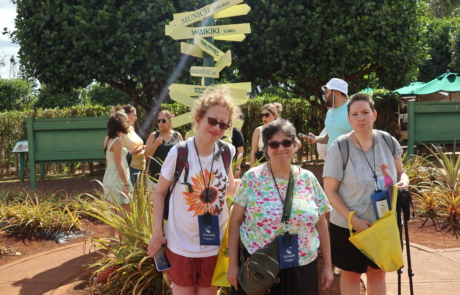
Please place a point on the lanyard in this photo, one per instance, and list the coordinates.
(206, 191)
(276, 185)
(377, 185)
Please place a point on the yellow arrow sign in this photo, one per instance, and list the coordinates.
(190, 49)
(236, 10)
(208, 48)
(178, 33)
(224, 61)
(239, 89)
(188, 18)
(233, 38)
(181, 119)
(238, 123)
(209, 72)
(182, 98)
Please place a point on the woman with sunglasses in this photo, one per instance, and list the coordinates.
(133, 143)
(159, 143)
(350, 187)
(198, 202)
(258, 205)
(269, 113)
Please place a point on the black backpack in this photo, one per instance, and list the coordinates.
(182, 163)
(344, 147)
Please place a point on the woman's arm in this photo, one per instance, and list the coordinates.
(325, 245)
(254, 147)
(179, 136)
(232, 183)
(403, 179)
(152, 145)
(117, 148)
(239, 161)
(159, 195)
(236, 218)
(331, 186)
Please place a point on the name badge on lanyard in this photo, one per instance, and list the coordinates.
(288, 250)
(209, 230)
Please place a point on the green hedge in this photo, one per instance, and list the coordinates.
(298, 111)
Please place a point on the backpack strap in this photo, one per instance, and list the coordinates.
(344, 150)
(157, 133)
(388, 140)
(224, 152)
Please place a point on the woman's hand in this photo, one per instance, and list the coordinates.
(136, 150)
(232, 275)
(403, 184)
(125, 189)
(158, 141)
(326, 277)
(154, 244)
(236, 174)
(360, 224)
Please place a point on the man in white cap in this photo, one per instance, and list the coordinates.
(336, 97)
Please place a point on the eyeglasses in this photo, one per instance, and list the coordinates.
(161, 121)
(266, 115)
(285, 143)
(324, 89)
(214, 122)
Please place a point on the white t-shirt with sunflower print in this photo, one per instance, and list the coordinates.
(182, 228)
(262, 223)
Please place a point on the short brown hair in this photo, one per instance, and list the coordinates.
(215, 96)
(125, 109)
(361, 97)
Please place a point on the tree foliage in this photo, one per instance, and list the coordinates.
(300, 45)
(69, 44)
(15, 94)
(440, 37)
(106, 95)
(443, 8)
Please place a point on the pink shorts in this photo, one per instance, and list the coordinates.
(190, 272)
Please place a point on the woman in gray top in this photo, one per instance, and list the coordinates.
(372, 164)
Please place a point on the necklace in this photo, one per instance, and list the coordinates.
(208, 195)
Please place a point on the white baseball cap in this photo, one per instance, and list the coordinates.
(337, 84)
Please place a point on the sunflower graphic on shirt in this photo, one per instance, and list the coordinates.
(203, 199)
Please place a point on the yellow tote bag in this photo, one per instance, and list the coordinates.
(219, 277)
(381, 242)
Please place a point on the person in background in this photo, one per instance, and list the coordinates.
(116, 176)
(197, 201)
(134, 144)
(159, 143)
(238, 143)
(258, 208)
(336, 97)
(350, 189)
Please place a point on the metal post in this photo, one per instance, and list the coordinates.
(21, 166)
(410, 127)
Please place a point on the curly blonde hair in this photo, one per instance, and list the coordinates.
(215, 96)
(274, 108)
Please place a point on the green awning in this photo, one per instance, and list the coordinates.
(448, 82)
(409, 89)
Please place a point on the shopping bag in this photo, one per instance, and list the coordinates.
(381, 242)
(219, 277)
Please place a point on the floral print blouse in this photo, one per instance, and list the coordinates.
(262, 223)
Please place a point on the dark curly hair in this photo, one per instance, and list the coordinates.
(118, 122)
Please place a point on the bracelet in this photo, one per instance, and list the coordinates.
(126, 184)
(237, 169)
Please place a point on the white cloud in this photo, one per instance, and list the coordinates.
(7, 16)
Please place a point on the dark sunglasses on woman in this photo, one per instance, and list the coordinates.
(285, 143)
(214, 122)
(161, 121)
(266, 115)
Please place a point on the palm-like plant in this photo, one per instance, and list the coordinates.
(450, 166)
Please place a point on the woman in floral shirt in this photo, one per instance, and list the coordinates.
(258, 206)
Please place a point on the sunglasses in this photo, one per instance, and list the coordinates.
(324, 89)
(285, 143)
(214, 122)
(161, 121)
(266, 115)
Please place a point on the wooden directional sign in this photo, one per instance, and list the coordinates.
(182, 98)
(178, 33)
(209, 72)
(181, 119)
(236, 10)
(188, 18)
(208, 47)
(224, 61)
(233, 38)
(190, 49)
(239, 89)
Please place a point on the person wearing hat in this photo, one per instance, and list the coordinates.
(336, 97)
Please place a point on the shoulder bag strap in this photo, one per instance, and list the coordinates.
(289, 195)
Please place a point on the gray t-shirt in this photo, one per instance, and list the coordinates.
(357, 180)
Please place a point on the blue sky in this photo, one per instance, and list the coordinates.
(7, 16)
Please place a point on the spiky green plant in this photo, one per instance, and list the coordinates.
(447, 173)
(428, 203)
(137, 273)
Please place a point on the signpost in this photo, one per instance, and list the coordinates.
(203, 47)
